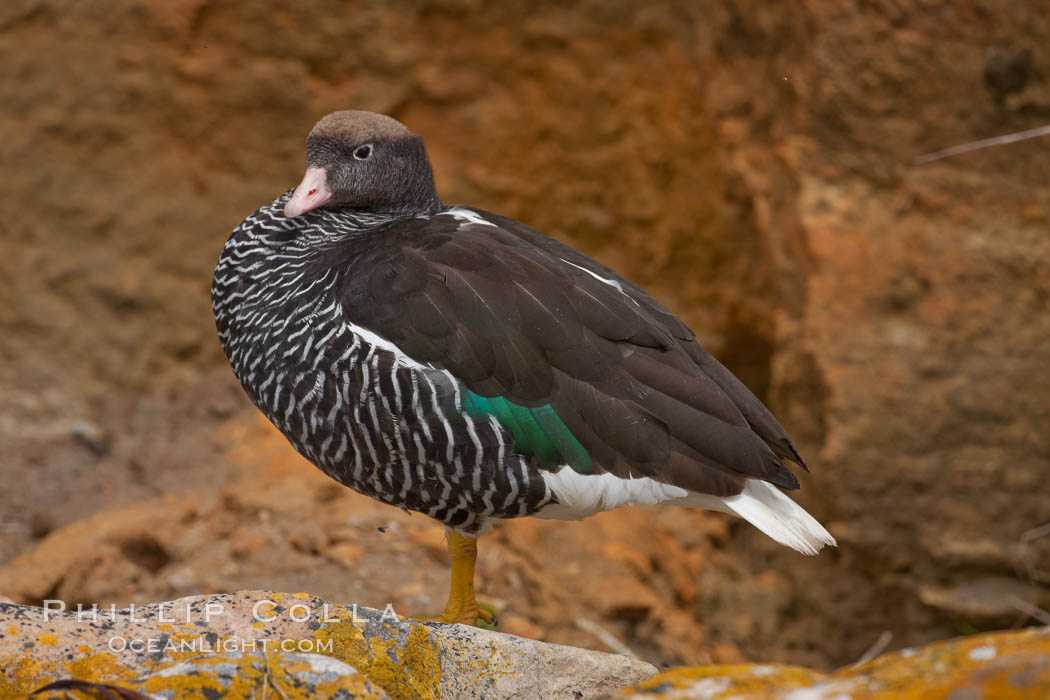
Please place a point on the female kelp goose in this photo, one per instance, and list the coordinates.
(460, 364)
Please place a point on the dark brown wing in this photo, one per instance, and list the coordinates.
(514, 314)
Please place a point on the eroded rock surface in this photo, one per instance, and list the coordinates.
(1001, 665)
(299, 645)
(221, 640)
(248, 675)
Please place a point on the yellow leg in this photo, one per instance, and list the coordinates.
(462, 606)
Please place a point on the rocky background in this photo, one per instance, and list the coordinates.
(752, 163)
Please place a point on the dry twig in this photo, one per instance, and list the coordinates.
(877, 648)
(1030, 610)
(983, 143)
(604, 636)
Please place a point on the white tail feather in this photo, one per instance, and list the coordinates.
(760, 503)
(767, 508)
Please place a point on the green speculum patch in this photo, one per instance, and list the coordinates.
(538, 432)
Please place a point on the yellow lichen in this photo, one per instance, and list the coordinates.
(23, 674)
(935, 671)
(1007, 665)
(254, 678)
(191, 685)
(97, 667)
(744, 680)
(405, 672)
(420, 654)
(12, 630)
(358, 686)
(1001, 665)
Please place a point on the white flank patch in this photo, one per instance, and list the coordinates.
(471, 217)
(595, 275)
(580, 495)
(760, 503)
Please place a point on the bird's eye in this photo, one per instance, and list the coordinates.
(363, 152)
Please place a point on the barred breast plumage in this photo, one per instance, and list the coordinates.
(457, 363)
(348, 400)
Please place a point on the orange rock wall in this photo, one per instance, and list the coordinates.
(749, 162)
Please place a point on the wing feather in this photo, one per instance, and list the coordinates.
(517, 316)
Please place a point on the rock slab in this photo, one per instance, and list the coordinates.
(995, 665)
(238, 644)
(252, 674)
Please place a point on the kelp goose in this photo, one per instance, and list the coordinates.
(460, 364)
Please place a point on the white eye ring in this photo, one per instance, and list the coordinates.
(363, 152)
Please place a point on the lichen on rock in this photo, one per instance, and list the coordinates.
(235, 644)
(998, 665)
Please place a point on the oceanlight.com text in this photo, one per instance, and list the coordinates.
(209, 644)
